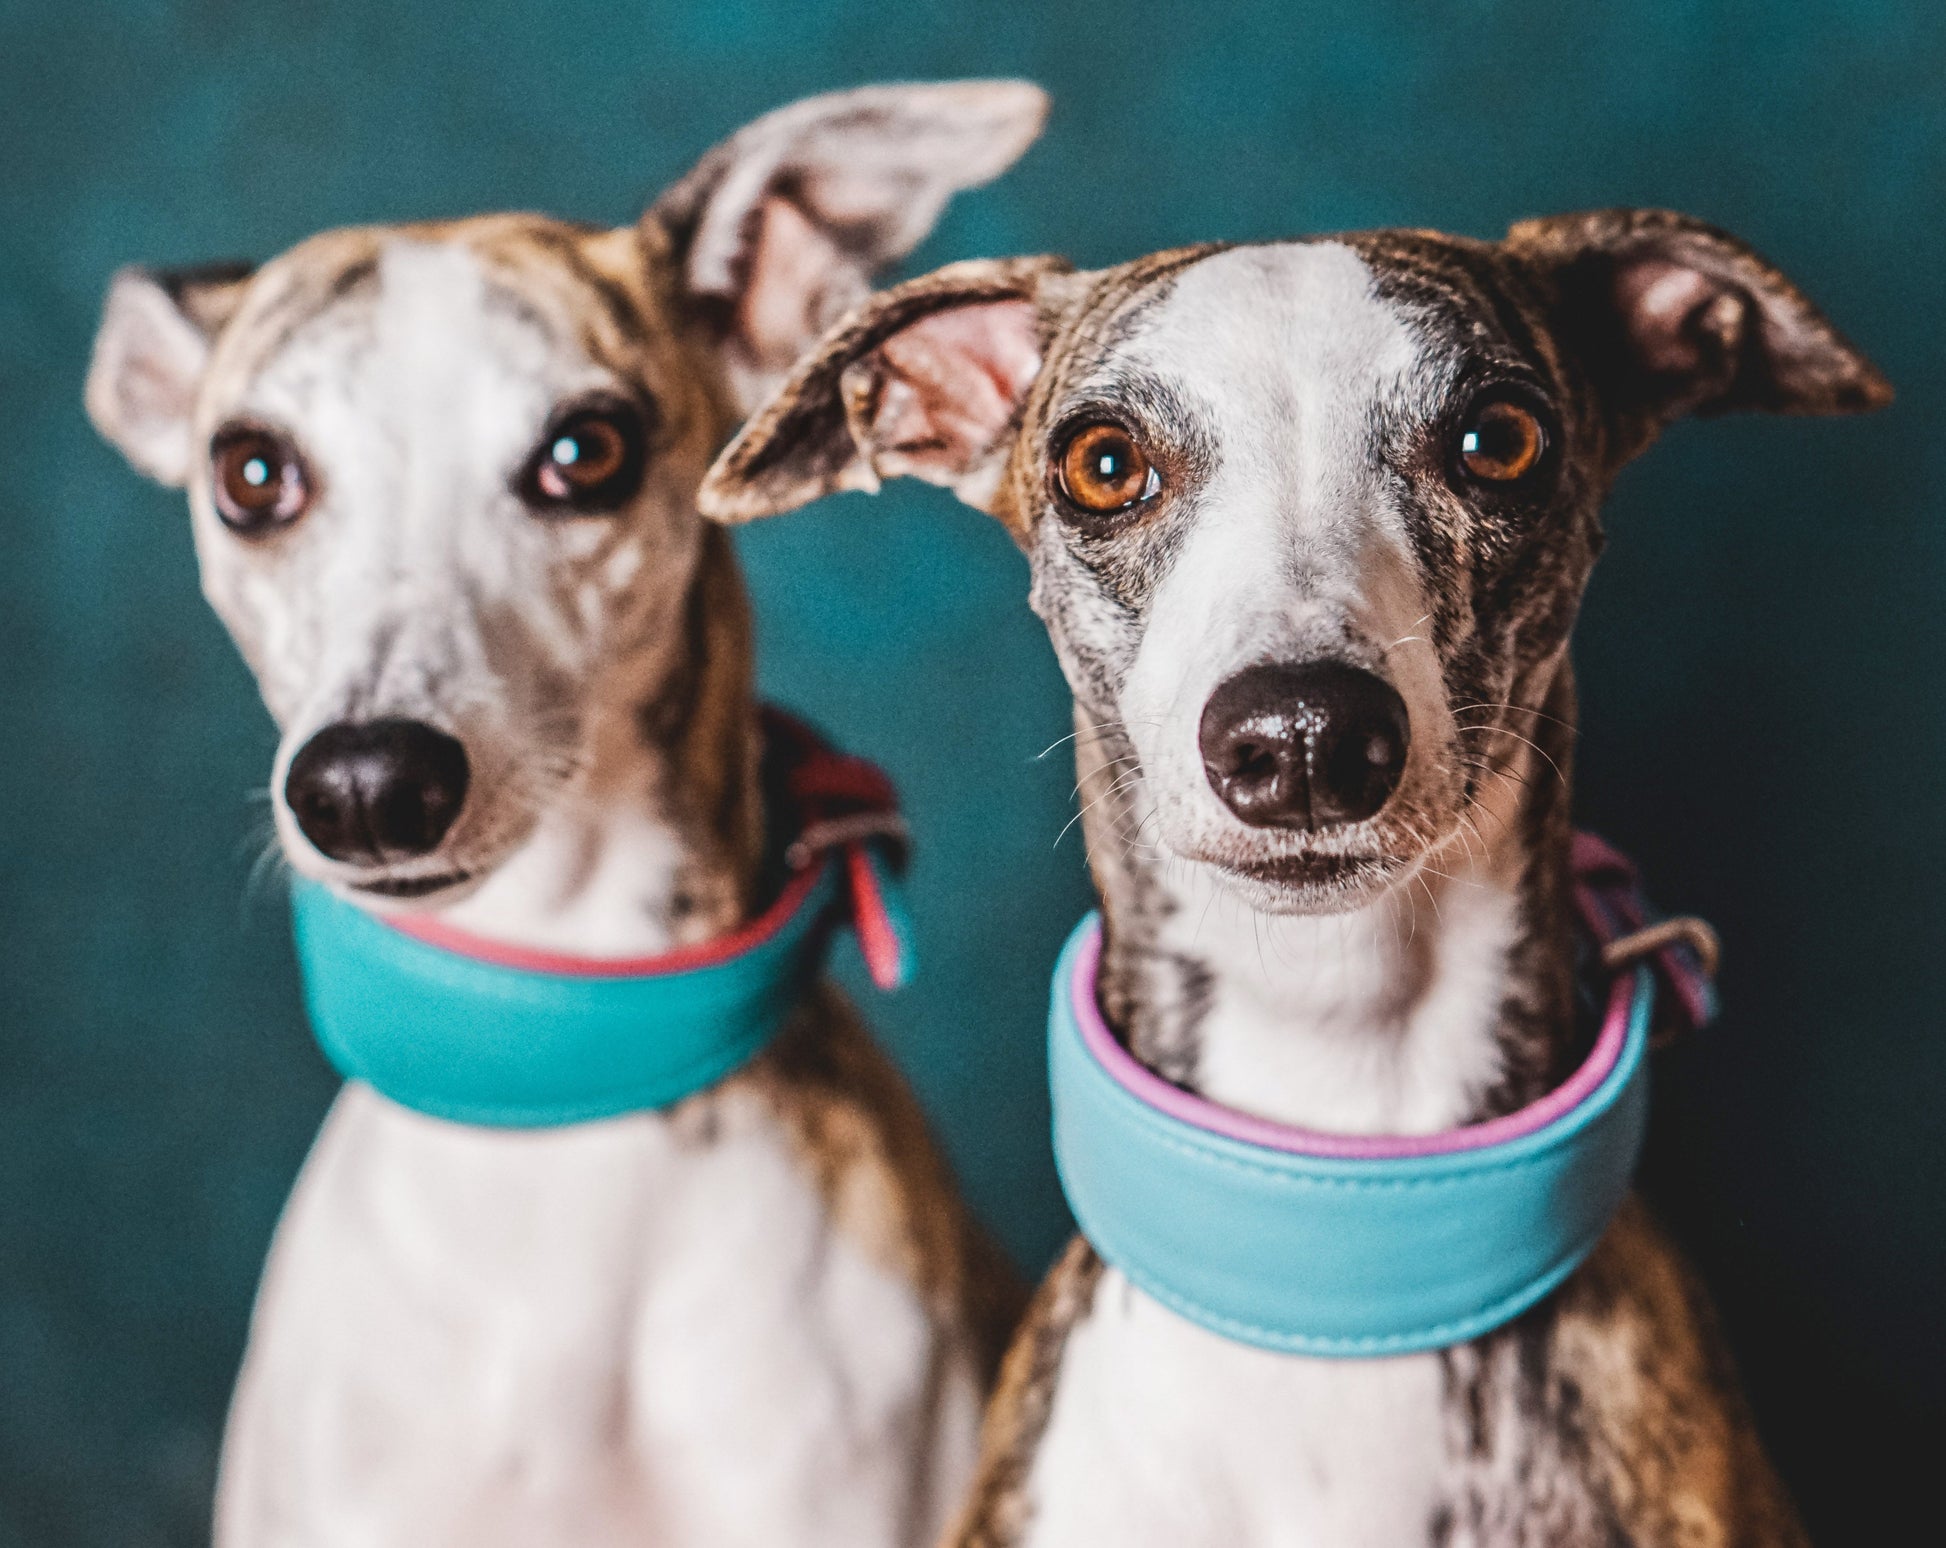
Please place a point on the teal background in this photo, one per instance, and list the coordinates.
(1765, 717)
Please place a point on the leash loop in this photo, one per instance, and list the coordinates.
(1627, 932)
(1652, 940)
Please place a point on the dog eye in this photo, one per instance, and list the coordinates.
(1501, 441)
(590, 461)
(257, 479)
(1102, 470)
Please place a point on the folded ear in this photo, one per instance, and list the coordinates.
(925, 380)
(1676, 317)
(779, 229)
(157, 328)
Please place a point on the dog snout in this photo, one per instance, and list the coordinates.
(376, 791)
(1309, 745)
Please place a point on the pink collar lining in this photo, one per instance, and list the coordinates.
(1246, 1128)
(843, 804)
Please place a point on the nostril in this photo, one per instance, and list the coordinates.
(368, 792)
(1364, 768)
(316, 809)
(1251, 760)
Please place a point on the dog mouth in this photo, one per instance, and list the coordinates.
(1311, 878)
(411, 888)
(1308, 883)
(1307, 878)
(1308, 872)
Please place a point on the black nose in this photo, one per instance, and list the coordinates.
(371, 791)
(1307, 746)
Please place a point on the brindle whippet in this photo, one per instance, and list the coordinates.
(442, 482)
(1309, 524)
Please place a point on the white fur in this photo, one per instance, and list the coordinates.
(1165, 1436)
(1377, 1021)
(612, 1334)
(1295, 548)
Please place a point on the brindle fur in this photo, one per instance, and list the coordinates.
(863, 1136)
(997, 1510)
(1609, 1414)
(1617, 1398)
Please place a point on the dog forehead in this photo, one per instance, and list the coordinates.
(413, 345)
(439, 311)
(1258, 332)
(405, 304)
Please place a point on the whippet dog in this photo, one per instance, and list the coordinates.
(442, 484)
(1309, 524)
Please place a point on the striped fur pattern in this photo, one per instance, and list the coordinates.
(1302, 406)
(763, 1317)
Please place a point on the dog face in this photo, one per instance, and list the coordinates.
(1309, 522)
(442, 477)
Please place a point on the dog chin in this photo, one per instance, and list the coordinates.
(1308, 884)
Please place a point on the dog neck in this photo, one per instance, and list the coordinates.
(657, 839)
(1448, 1000)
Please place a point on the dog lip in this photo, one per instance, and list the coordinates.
(412, 886)
(1304, 870)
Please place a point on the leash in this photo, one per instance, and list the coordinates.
(479, 1032)
(1354, 1245)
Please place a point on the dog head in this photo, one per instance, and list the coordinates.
(1309, 522)
(442, 477)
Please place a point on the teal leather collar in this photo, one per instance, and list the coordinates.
(467, 1030)
(1337, 1245)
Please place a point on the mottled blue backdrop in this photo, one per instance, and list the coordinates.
(1765, 713)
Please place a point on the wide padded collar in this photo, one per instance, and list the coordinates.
(480, 1032)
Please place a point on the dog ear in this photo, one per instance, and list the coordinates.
(1676, 317)
(157, 329)
(924, 380)
(779, 229)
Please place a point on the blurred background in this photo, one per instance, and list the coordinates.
(1761, 655)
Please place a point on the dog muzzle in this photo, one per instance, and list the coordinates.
(478, 1032)
(1323, 1244)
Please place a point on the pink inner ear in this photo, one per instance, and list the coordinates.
(792, 265)
(1675, 314)
(950, 385)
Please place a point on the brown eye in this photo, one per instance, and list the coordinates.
(1501, 441)
(258, 480)
(1102, 470)
(589, 461)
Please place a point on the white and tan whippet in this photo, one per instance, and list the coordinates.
(442, 483)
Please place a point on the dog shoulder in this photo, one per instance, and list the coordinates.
(1669, 1436)
(995, 1515)
(861, 1133)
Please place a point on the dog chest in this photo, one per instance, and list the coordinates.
(1161, 1433)
(637, 1327)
